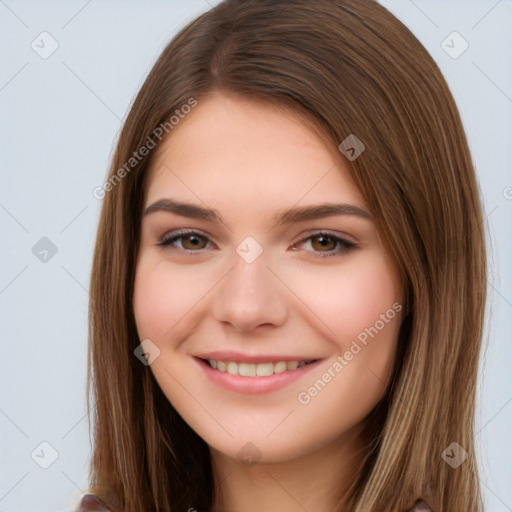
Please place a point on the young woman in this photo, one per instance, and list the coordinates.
(289, 279)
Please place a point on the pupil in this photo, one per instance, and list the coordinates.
(193, 241)
(324, 241)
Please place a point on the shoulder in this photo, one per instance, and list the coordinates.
(92, 503)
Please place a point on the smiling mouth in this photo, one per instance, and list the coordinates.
(256, 369)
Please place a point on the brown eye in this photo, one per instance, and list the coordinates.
(323, 243)
(191, 242)
(185, 240)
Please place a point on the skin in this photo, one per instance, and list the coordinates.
(249, 160)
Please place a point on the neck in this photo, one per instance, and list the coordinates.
(316, 481)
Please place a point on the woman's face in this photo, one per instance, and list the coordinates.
(258, 253)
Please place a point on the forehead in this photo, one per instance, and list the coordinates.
(232, 147)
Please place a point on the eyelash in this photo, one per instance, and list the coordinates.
(344, 246)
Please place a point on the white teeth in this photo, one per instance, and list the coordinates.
(246, 369)
(292, 365)
(232, 368)
(280, 367)
(264, 369)
(256, 370)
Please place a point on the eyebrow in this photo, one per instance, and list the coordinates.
(283, 217)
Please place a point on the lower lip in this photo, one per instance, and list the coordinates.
(255, 385)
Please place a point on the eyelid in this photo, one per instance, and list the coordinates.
(169, 236)
(344, 244)
(318, 232)
(344, 241)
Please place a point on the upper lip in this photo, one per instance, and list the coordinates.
(250, 358)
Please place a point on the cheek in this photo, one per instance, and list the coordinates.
(362, 306)
(162, 297)
(349, 298)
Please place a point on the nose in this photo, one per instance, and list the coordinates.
(250, 296)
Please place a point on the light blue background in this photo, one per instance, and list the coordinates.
(60, 118)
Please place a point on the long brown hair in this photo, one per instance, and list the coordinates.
(351, 68)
